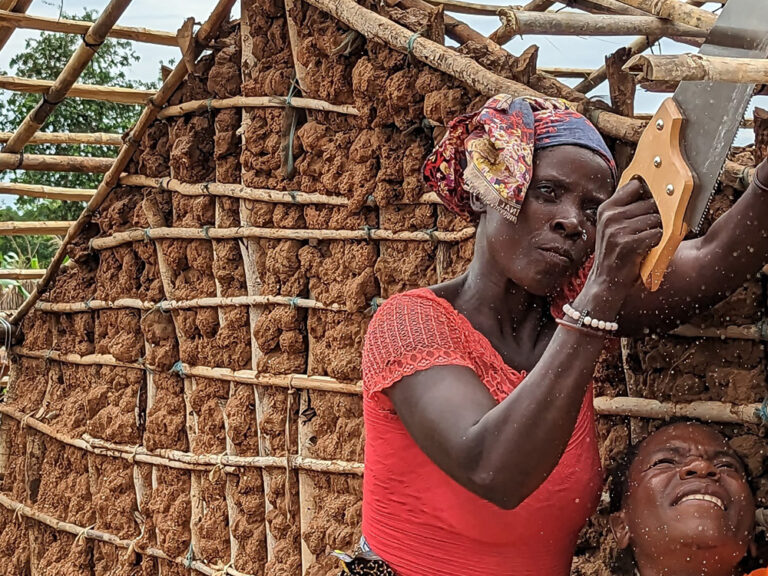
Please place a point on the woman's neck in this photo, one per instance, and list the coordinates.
(685, 568)
(492, 301)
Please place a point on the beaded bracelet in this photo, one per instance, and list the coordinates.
(583, 318)
(581, 329)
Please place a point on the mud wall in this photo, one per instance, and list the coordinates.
(204, 383)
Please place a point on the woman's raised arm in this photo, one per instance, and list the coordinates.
(706, 270)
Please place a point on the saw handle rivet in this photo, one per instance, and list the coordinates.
(659, 124)
(657, 161)
(670, 189)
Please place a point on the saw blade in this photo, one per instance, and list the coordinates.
(714, 110)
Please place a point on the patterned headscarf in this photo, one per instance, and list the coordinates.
(490, 152)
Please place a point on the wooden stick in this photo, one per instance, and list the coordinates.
(635, 407)
(120, 238)
(260, 194)
(19, 7)
(749, 332)
(559, 72)
(20, 274)
(255, 102)
(94, 138)
(34, 228)
(203, 37)
(49, 192)
(477, 9)
(695, 67)
(92, 534)
(92, 40)
(721, 412)
(85, 91)
(51, 163)
(297, 381)
(675, 11)
(168, 305)
(519, 23)
(375, 26)
(28, 22)
(639, 45)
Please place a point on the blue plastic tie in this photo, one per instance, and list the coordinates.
(411, 40)
(178, 368)
(763, 411)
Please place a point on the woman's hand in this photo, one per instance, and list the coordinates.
(628, 226)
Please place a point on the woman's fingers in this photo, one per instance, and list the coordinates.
(642, 223)
(639, 208)
(631, 192)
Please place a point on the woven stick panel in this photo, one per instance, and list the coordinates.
(187, 396)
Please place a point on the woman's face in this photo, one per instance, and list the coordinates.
(688, 501)
(555, 230)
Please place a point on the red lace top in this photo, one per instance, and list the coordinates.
(419, 520)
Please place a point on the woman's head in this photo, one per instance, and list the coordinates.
(685, 505)
(537, 150)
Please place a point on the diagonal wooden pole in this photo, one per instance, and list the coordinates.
(203, 37)
(92, 40)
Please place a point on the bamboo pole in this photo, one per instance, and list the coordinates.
(93, 138)
(49, 192)
(29, 22)
(255, 102)
(695, 67)
(140, 235)
(20, 274)
(203, 36)
(520, 23)
(93, 534)
(19, 7)
(675, 11)
(86, 91)
(375, 26)
(92, 40)
(721, 412)
(246, 193)
(52, 163)
(34, 228)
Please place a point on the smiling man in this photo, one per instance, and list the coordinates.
(685, 506)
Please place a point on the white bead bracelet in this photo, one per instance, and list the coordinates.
(584, 319)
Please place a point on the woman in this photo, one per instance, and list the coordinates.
(684, 505)
(481, 453)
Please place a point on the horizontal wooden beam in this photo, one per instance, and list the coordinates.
(20, 274)
(88, 138)
(46, 163)
(19, 7)
(560, 72)
(254, 102)
(520, 23)
(28, 22)
(47, 192)
(676, 11)
(695, 67)
(85, 91)
(34, 228)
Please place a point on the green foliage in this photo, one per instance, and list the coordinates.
(43, 58)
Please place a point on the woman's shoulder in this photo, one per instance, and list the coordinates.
(761, 572)
(413, 306)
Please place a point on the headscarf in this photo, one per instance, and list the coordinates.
(490, 152)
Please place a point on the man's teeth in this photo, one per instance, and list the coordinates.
(706, 497)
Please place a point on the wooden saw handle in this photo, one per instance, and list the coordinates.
(659, 162)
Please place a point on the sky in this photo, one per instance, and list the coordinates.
(562, 51)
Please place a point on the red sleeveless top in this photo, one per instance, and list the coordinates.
(415, 517)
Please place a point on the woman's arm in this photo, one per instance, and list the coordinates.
(503, 452)
(705, 270)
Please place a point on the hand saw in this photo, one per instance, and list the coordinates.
(683, 150)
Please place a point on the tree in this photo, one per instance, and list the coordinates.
(43, 58)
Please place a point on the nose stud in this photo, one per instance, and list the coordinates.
(583, 234)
